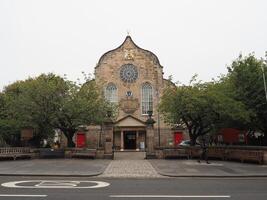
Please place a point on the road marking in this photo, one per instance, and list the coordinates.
(202, 163)
(21, 195)
(56, 184)
(170, 196)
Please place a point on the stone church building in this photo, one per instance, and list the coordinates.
(132, 78)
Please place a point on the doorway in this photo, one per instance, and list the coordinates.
(178, 137)
(129, 139)
(80, 140)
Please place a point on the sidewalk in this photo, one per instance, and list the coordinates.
(191, 168)
(138, 168)
(53, 167)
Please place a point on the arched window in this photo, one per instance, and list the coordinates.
(147, 98)
(111, 93)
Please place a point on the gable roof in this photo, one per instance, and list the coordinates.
(129, 39)
(130, 121)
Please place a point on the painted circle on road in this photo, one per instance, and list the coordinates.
(56, 184)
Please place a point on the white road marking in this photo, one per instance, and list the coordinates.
(202, 163)
(55, 184)
(170, 196)
(21, 195)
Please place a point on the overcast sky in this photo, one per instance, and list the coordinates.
(68, 37)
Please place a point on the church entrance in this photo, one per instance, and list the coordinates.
(130, 139)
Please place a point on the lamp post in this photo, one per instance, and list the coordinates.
(150, 121)
(150, 113)
(263, 76)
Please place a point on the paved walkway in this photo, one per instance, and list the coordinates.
(130, 169)
(54, 167)
(191, 168)
(131, 166)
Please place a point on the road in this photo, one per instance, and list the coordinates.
(111, 189)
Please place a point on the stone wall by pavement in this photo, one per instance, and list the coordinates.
(265, 157)
(160, 155)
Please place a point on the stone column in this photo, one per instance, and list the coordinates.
(137, 140)
(122, 141)
(150, 150)
(108, 138)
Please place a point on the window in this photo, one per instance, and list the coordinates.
(111, 93)
(147, 98)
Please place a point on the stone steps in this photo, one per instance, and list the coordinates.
(129, 155)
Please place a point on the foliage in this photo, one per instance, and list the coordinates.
(200, 107)
(9, 128)
(34, 103)
(83, 105)
(49, 102)
(246, 80)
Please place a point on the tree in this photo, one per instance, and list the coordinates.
(200, 107)
(9, 129)
(50, 102)
(245, 77)
(84, 105)
(35, 102)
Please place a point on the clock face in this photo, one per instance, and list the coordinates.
(128, 73)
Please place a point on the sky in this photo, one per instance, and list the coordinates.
(69, 36)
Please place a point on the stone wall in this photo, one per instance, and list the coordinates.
(92, 137)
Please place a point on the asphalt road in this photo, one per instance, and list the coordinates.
(111, 189)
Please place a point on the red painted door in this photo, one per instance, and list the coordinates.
(80, 140)
(178, 137)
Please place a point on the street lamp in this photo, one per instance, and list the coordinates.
(150, 121)
(263, 76)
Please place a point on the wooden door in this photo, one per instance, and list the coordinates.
(80, 140)
(178, 137)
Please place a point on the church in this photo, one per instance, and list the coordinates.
(131, 78)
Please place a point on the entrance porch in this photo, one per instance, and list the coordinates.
(130, 139)
(129, 134)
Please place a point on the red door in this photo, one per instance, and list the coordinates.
(80, 140)
(178, 137)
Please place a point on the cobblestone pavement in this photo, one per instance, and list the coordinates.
(130, 169)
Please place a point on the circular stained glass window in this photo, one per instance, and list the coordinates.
(128, 73)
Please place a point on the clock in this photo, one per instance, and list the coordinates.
(128, 73)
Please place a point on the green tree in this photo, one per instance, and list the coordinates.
(245, 77)
(200, 107)
(50, 102)
(8, 128)
(84, 105)
(35, 102)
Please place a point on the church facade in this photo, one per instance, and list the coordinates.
(132, 79)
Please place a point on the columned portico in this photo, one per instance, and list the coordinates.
(129, 134)
(129, 138)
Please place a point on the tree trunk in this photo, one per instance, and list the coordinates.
(193, 137)
(69, 136)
